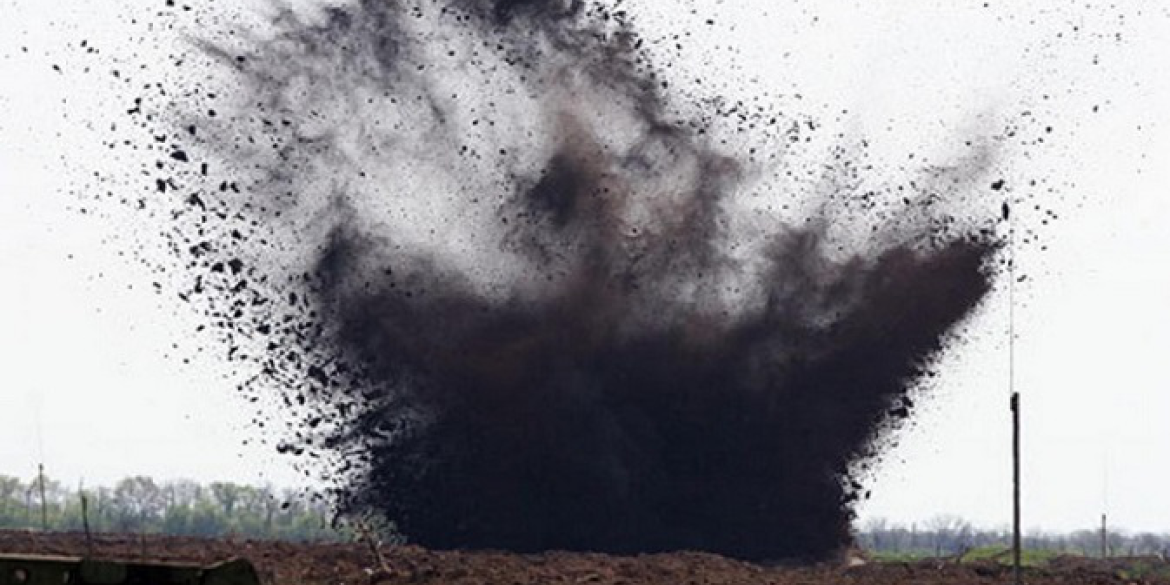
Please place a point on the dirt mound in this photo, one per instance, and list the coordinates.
(332, 563)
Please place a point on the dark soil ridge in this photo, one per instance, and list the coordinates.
(355, 564)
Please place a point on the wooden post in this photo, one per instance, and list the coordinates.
(1016, 487)
(85, 523)
(44, 509)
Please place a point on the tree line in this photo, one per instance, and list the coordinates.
(950, 536)
(140, 504)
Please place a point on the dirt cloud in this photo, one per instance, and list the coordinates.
(537, 312)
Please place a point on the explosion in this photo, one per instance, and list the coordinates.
(529, 305)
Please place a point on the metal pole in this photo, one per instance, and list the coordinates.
(1016, 486)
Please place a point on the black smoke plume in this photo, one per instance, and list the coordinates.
(539, 310)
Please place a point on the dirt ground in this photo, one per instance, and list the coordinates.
(336, 564)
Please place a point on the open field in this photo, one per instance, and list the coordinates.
(333, 564)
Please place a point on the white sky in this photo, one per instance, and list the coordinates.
(87, 389)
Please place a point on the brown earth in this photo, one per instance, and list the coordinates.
(355, 563)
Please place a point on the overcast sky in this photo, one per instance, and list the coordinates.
(92, 387)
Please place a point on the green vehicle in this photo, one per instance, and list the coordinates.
(62, 570)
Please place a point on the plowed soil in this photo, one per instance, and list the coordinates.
(335, 564)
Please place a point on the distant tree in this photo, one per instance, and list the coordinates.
(11, 489)
(951, 534)
(206, 519)
(227, 494)
(139, 503)
(875, 535)
(1086, 542)
(1148, 543)
(101, 509)
(184, 493)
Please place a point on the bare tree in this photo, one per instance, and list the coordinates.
(876, 531)
(951, 534)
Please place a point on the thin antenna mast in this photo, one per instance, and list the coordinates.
(1015, 396)
(1105, 503)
